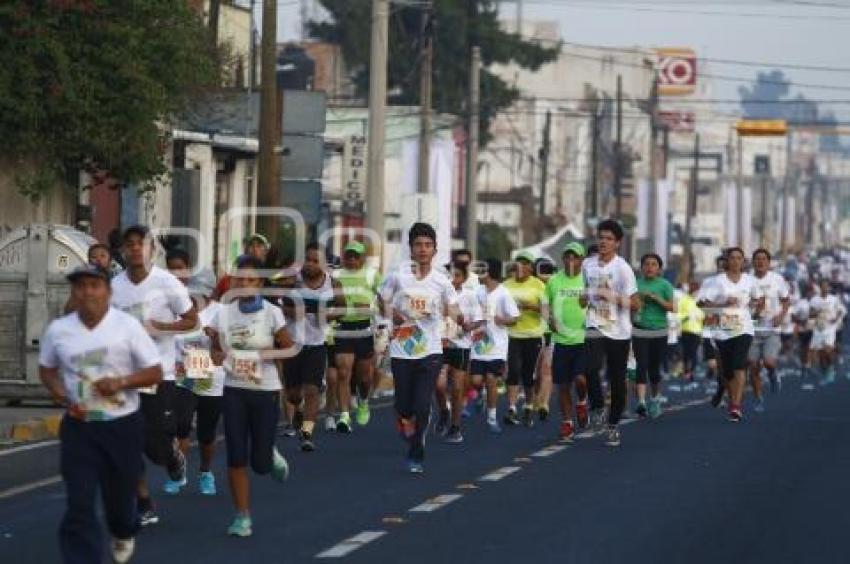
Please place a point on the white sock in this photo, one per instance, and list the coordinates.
(491, 414)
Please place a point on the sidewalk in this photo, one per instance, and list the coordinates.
(29, 423)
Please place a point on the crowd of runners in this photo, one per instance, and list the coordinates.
(147, 354)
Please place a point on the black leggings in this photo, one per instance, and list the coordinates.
(615, 353)
(161, 425)
(415, 380)
(522, 360)
(649, 353)
(690, 351)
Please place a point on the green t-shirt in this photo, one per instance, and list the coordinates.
(651, 314)
(562, 295)
(531, 323)
(360, 288)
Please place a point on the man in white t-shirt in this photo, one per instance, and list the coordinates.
(611, 296)
(161, 303)
(93, 361)
(827, 311)
(767, 342)
(417, 297)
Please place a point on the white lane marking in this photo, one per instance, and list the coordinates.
(23, 448)
(497, 475)
(628, 421)
(350, 545)
(29, 487)
(436, 503)
(548, 451)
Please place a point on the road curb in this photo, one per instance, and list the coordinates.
(38, 429)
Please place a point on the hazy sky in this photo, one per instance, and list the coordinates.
(792, 32)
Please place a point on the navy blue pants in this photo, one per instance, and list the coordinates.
(415, 380)
(250, 427)
(104, 455)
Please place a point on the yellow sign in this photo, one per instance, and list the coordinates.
(762, 127)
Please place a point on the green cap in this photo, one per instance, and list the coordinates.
(576, 248)
(356, 247)
(527, 256)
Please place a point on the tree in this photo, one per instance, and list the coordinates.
(493, 242)
(88, 85)
(459, 24)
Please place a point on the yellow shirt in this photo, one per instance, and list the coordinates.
(531, 323)
(690, 316)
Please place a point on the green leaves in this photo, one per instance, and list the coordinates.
(87, 84)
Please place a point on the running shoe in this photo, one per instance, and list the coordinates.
(735, 414)
(543, 413)
(178, 472)
(598, 419)
(528, 417)
(493, 427)
(640, 410)
(241, 527)
(415, 467)
(511, 418)
(280, 468)
(612, 436)
(289, 430)
(343, 425)
(173, 487)
(307, 444)
(442, 423)
(566, 433)
(454, 435)
(122, 550)
(406, 428)
(581, 415)
(654, 408)
(758, 406)
(147, 512)
(362, 414)
(330, 424)
(206, 483)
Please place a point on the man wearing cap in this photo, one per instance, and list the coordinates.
(354, 336)
(93, 361)
(158, 300)
(256, 245)
(566, 316)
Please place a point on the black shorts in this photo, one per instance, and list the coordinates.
(734, 354)
(307, 368)
(805, 338)
(456, 358)
(487, 368)
(206, 408)
(331, 355)
(160, 423)
(361, 344)
(709, 351)
(250, 427)
(568, 361)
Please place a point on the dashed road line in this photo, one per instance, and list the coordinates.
(436, 503)
(349, 545)
(497, 475)
(548, 451)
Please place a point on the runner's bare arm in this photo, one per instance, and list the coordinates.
(187, 322)
(144, 378)
(52, 381)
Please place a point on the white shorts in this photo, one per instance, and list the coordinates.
(823, 339)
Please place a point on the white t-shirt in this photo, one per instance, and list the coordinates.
(491, 341)
(828, 310)
(774, 289)
(423, 303)
(734, 321)
(195, 370)
(159, 297)
(117, 346)
(241, 336)
(612, 320)
(470, 308)
(312, 328)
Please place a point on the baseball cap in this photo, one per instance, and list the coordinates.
(258, 237)
(576, 248)
(526, 256)
(90, 271)
(355, 247)
(202, 284)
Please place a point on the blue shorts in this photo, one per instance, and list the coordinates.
(250, 427)
(487, 368)
(568, 361)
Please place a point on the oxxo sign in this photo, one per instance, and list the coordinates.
(354, 174)
(677, 71)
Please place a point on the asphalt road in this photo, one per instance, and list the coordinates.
(689, 487)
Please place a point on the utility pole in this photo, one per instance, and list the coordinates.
(377, 115)
(618, 150)
(472, 152)
(425, 84)
(763, 242)
(653, 165)
(739, 192)
(253, 48)
(544, 170)
(268, 187)
(594, 164)
(690, 207)
(215, 10)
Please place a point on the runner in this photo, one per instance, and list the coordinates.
(355, 342)
(567, 319)
(92, 362)
(650, 332)
(544, 269)
(490, 342)
(316, 298)
(255, 245)
(246, 330)
(200, 383)
(417, 297)
(713, 376)
(827, 311)
(767, 343)
(691, 319)
(525, 338)
(731, 295)
(611, 295)
(456, 350)
(805, 325)
(161, 303)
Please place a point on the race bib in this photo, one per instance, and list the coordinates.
(417, 306)
(731, 322)
(95, 404)
(246, 366)
(198, 364)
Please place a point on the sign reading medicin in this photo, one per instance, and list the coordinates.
(354, 174)
(677, 71)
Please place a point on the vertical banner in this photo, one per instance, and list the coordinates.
(642, 195)
(747, 239)
(662, 218)
(729, 190)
